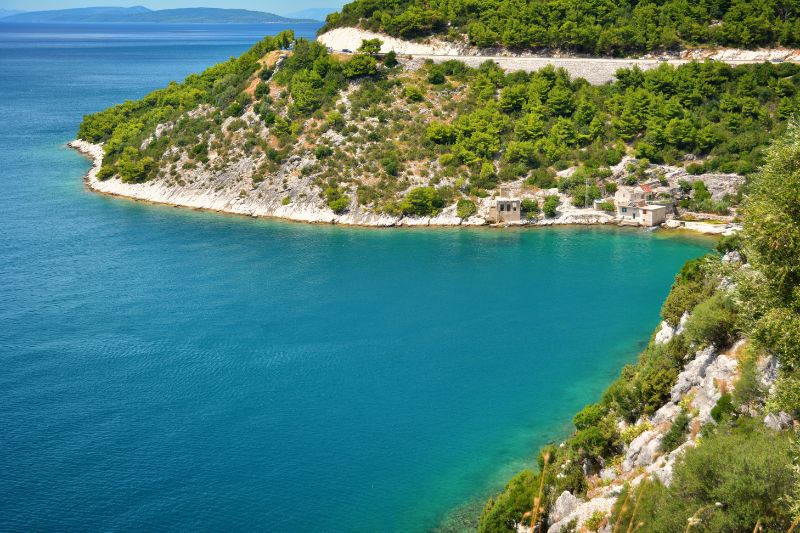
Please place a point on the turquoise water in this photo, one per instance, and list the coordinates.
(168, 369)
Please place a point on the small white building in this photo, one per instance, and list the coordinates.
(631, 205)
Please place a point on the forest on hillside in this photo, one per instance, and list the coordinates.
(583, 26)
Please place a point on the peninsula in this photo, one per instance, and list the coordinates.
(294, 130)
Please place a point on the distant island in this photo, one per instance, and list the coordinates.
(196, 15)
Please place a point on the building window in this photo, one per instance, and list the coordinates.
(624, 209)
(502, 207)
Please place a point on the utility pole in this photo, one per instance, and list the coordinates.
(586, 192)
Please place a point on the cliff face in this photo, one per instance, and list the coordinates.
(698, 388)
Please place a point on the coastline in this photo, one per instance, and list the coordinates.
(221, 201)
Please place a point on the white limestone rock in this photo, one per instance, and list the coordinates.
(682, 323)
(778, 421)
(665, 334)
(564, 505)
(643, 450)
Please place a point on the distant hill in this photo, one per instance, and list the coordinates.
(8, 12)
(143, 14)
(316, 13)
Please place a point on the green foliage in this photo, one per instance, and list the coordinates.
(713, 321)
(414, 94)
(590, 415)
(360, 65)
(550, 205)
(586, 27)
(690, 288)
(596, 438)
(748, 391)
(465, 208)
(529, 207)
(594, 522)
(504, 511)
(728, 243)
(132, 167)
(744, 468)
(390, 61)
(370, 46)
(724, 408)
(336, 199)
(422, 201)
(676, 435)
(322, 151)
(607, 206)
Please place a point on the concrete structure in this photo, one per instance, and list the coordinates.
(506, 210)
(653, 214)
(632, 205)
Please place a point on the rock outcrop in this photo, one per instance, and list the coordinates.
(697, 389)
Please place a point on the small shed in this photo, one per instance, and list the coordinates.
(506, 210)
(653, 214)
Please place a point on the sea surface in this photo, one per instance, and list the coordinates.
(167, 369)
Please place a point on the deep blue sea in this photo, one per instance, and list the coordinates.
(167, 369)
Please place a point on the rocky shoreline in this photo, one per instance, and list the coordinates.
(228, 200)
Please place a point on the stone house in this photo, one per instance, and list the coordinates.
(632, 204)
(506, 210)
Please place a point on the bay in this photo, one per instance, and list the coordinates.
(170, 369)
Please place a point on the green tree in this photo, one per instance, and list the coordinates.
(360, 65)
(422, 201)
(370, 46)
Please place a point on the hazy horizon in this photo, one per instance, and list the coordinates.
(279, 8)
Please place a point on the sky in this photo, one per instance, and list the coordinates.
(280, 7)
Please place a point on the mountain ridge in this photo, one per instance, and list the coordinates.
(137, 14)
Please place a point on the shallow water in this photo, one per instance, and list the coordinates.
(165, 368)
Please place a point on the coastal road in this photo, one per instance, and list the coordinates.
(596, 70)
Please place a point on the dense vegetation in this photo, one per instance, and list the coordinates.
(740, 474)
(593, 27)
(544, 120)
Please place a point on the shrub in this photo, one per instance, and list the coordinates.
(322, 151)
(390, 60)
(337, 200)
(712, 322)
(505, 510)
(529, 207)
(465, 208)
(550, 205)
(748, 390)
(744, 468)
(422, 201)
(600, 439)
(588, 416)
(436, 76)
(676, 435)
(728, 243)
(594, 522)
(414, 94)
(360, 65)
(724, 408)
